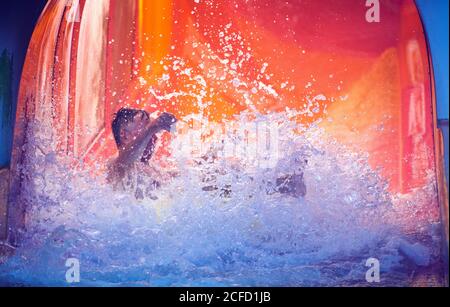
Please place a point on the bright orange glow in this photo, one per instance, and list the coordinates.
(369, 81)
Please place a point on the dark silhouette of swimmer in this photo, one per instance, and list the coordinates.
(135, 136)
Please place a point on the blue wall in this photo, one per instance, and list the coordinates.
(17, 21)
(434, 15)
(6, 102)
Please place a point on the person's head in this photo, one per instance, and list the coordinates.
(128, 124)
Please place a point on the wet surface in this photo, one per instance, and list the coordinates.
(187, 235)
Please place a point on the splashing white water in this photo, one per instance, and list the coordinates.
(233, 234)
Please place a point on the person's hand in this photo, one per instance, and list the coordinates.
(165, 121)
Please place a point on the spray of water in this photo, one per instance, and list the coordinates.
(236, 233)
(215, 218)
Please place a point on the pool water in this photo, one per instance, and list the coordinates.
(186, 235)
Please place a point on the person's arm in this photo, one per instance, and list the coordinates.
(149, 149)
(135, 150)
(130, 153)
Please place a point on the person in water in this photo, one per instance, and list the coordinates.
(135, 136)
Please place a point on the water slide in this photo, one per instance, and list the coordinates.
(259, 85)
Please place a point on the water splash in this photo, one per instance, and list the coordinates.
(236, 233)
